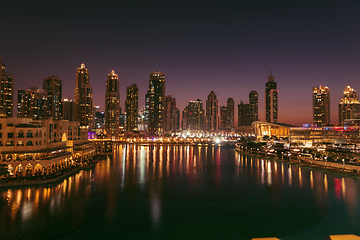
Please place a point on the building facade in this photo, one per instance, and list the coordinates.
(6, 91)
(349, 106)
(52, 85)
(68, 109)
(41, 147)
(230, 113)
(271, 100)
(34, 104)
(132, 102)
(193, 116)
(171, 114)
(112, 104)
(156, 103)
(244, 118)
(254, 106)
(212, 112)
(83, 100)
(321, 106)
(20, 97)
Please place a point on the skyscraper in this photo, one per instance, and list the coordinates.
(6, 91)
(212, 115)
(224, 117)
(253, 106)
(132, 96)
(349, 106)
(321, 106)
(156, 102)
(83, 100)
(34, 104)
(193, 116)
(244, 114)
(68, 109)
(20, 97)
(271, 100)
(230, 113)
(54, 90)
(112, 104)
(171, 114)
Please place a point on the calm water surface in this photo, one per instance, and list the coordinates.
(185, 192)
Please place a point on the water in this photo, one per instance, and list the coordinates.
(185, 192)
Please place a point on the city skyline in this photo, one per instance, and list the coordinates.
(227, 48)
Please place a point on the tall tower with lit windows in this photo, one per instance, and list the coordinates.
(321, 106)
(132, 101)
(271, 100)
(112, 104)
(156, 96)
(212, 112)
(83, 100)
(6, 91)
(53, 86)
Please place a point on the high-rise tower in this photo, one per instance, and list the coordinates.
(53, 86)
(172, 114)
(156, 102)
(34, 104)
(193, 116)
(212, 115)
(6, 91)
(271, 100)
(253, 106)
(112, 104)
(132, 96)
(321, 106)
(20, 97)
(230, 113)
(349, 106)
(83, 100)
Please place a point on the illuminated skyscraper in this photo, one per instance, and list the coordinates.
(171, 114)
(212, 114)
(132, 96)
(54, 90)
(349, 106)
(271, 100)
(6, 91)
(68, 109)
(224, 117)
(156, 102)
(112, 104)
(34, 104)
(83, 100)
(230, 113)
(193, 116)
(321, 106)
(253, 106)
(20, 96)
(244, 114)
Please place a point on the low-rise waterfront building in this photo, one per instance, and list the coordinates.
(39, 147)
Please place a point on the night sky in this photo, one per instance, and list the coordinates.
(225, 46)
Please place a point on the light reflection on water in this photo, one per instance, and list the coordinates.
(213, 192)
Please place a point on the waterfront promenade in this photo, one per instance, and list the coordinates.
(44, 179)
(353, 170)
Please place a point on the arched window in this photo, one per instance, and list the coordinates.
(29, 134)
(29, 143)
(21, 134)
(20, 143)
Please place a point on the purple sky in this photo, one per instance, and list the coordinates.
(228, 47)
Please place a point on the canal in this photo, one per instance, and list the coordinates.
(184, 192)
